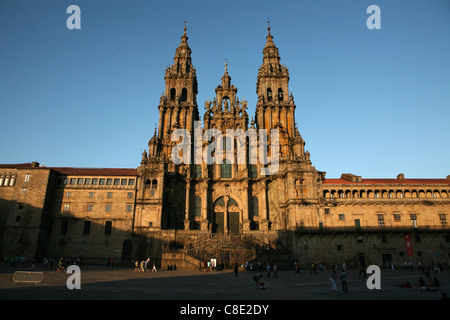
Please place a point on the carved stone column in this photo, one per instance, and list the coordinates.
(186, 214)
(264, 222)
(225, 215)
(245, 220)
(204, 222)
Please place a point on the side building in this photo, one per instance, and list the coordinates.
(75, 212)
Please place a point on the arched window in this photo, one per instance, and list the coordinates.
(184, 94)
(198, 171)
(147, 183)
(226, 143)
(173, 94)
(155, 184)
(253, 171)
(280, 94)
(225, 169)
(197, 206)
(254, 207)
(269, 94)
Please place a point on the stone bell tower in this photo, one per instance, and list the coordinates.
(178, 104)
(275, 108)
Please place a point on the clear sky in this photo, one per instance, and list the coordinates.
(374, 103)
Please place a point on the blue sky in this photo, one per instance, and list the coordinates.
(370, 102)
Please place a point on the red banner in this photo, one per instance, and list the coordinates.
(408, 243)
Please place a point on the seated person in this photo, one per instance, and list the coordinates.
(405, 285)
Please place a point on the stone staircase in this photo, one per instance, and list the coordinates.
(226, 249)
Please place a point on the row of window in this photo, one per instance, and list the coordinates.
(384, 240)
(7, 181)
(226, 169)
(270, 95)
(86, 227)
(183, 96)
(397, 218)
(253, 212)
(109, 195)
(385, 194)
(10, 180)
(90, 207)
(96, 181)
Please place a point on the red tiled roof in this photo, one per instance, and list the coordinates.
(17, 166)
(96, 171)
(388, 181)
(76, 171)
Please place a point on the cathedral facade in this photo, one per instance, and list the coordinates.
(261, 199)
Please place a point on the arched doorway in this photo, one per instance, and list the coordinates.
(226, 216)
(127, 250)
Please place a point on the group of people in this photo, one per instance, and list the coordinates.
(143, 265)
(270, 267)
(342, 277)
(421, 267)
(47, 262)
(211, 265)
(63, 263)
(14, 261)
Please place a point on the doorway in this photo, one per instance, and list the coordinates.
(233, 222)
(386, 258)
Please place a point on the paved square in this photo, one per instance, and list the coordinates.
(102, 283)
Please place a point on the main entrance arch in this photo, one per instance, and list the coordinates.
(226, 215)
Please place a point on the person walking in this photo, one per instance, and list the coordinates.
(275, 271)
(333, 277)
(343, 278)
(268, 270)
(236, 267)
(297, 267)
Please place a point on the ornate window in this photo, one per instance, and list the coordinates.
(198, 171)
(254, 207)
(197, 206)
(253, 171)
(225, 169)
(183, 94)
(280, 94)
(269, 94)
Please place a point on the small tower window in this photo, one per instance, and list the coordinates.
(280, 94)
(269, 94)
(173, 94)
(184, 94)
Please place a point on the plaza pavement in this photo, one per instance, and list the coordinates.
(102, 283)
